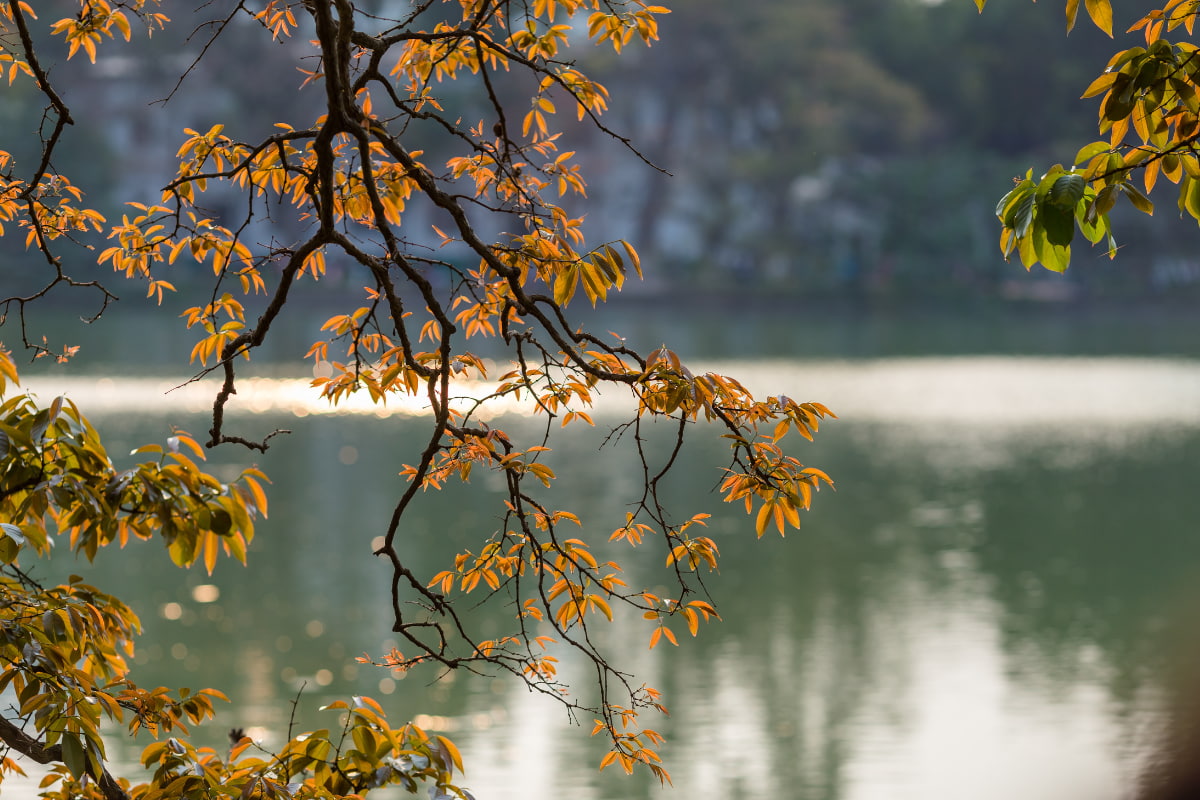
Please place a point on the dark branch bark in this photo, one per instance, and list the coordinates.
(35, 750)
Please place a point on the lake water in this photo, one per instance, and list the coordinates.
(986, 607)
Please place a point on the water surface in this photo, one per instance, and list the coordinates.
(985, 606)
(982, 608)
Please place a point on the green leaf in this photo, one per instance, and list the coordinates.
(222, 522)
(1090, 151)
(1023, 216)
(1139, 200)
(1186, 93)
(1119, 103)
(363, 740)
(1059, 224)
(1006, 209)
(1190, 197)
(1105, 200)
(41, 422)
(1054, 257)
(1047, 182)
(73, 754)
(1125, 56)
(1170, 165)
(318, 747)
(1026, 251)
(1094, 227)
(181, 551)
(1067, 191)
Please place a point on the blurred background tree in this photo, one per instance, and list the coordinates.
(828, 149)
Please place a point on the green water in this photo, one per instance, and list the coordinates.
(985, 607)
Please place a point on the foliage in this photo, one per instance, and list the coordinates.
(63, 648)
(1150, 112)
(477, 245)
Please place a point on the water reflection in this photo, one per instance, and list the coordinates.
(1000, 390)
(980, 610)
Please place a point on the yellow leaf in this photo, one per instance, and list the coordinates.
(210, 552)
(453, 751)
(187, 441)
(1072, 11)
(764, 519)
(599, 603)
(122, 24)
(564, 285)
(1103, 83)
(1101, 13)
(792, 516)
(260, 497)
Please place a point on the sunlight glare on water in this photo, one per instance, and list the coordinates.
(998, 390)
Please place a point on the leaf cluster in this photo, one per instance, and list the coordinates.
(64, 648)
(474, 244)
(1150, 111)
